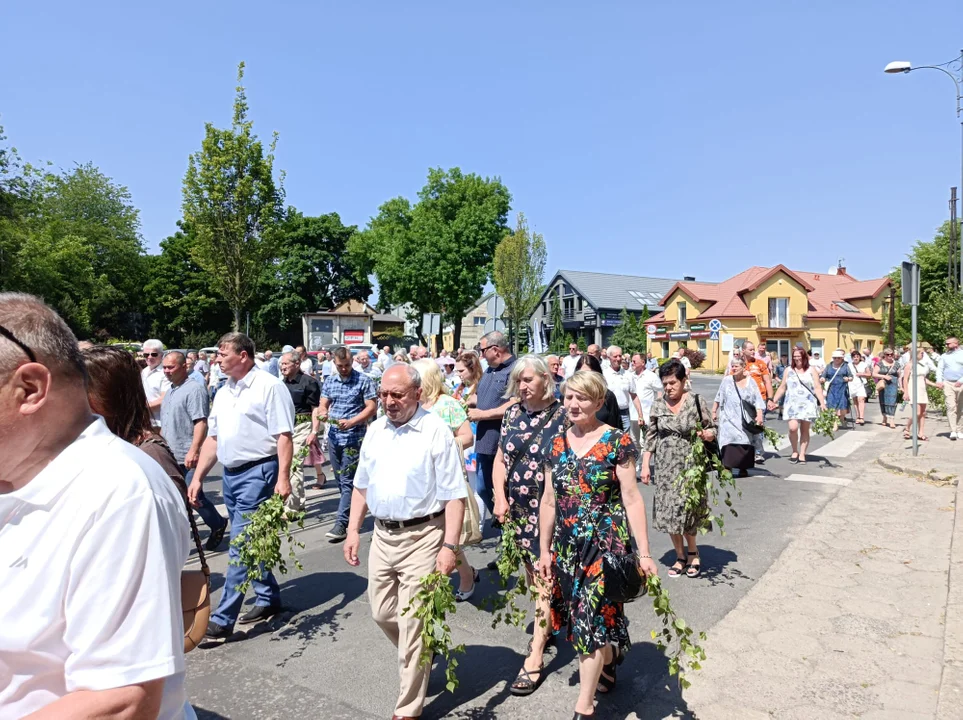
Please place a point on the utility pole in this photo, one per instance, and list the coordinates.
(954, 244)
(892, 318)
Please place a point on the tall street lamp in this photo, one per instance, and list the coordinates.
(902, 67)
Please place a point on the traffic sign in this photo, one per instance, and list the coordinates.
(650, 329)
(715, 325)
(714, 335)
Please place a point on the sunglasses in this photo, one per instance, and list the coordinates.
(23, 346)
(155, 354)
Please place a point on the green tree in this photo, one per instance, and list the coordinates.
(582, 345)
(178, 293)
(643, 333)
(937, 316)
(313, 271)
(626, 335)
(436, 254)
(558, 342)
(518, 273)
(234, 206)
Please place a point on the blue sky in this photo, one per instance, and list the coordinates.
(662, 139)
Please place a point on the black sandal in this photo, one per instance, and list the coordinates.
(609, 677)
(524, 685)
(681, 562)
(694, 567)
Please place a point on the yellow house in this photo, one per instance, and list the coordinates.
(775, 307)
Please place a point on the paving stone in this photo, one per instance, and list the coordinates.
(899, 695)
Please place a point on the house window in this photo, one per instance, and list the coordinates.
(580, 304)
(702, 346)
(816, 346)
(778, 312)
(545, 308)
(682, 315)
(665, 349)
(478, 320)
(869, 347)
(569, 307)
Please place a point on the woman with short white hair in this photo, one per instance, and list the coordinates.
(528, 430)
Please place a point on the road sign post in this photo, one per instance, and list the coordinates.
(911, 297)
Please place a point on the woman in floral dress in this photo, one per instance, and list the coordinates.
(673, 425)
(528, 429)
(591, 501)
(804, 396)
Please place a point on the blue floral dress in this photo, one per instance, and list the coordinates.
(590, 520)
(837, 396)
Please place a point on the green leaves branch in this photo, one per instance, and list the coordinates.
(432, 604)
(511, 561)
(688, 654)
(826, 423)
(259, 544)
(701, 494)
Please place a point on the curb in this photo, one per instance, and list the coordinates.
(916, 471)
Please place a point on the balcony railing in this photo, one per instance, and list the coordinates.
(568, 315)
(782, 321)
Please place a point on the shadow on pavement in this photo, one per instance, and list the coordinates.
(203, 714)
(303, 593)
(479, 670)
(644, 688)
(714, 561)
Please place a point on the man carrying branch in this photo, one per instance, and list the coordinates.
(410, 476)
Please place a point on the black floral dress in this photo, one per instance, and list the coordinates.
(589, 520)
(525, 440)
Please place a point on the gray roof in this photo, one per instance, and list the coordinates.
(614, 292)
(387, 318)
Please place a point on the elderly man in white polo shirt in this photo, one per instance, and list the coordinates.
(93, 539)
(250, 432)
(620, 383)
(410, 476)
(155, 382)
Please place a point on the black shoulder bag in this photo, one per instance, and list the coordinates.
(749, 423)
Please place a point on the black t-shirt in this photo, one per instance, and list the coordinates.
(305, 393)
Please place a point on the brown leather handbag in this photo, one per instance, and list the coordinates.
(195, 595)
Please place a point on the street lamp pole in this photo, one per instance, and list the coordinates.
(903, 67)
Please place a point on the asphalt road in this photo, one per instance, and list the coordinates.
(325, 656)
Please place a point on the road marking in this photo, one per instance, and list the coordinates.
(844, 445)
(823, 479)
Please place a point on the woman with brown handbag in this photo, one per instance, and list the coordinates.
(115, 391)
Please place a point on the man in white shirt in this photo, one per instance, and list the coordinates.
(93, 538)
(647, 388)
(949, 378)
(250, 432)
(155, 383)
(384, 358)
(410, 475)
(570, 361)
(619, 382)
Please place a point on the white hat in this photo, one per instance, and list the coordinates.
(287, 348)
(838, 354)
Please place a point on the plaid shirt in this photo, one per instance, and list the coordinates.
(347, 396)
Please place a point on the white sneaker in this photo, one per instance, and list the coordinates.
(953, 436)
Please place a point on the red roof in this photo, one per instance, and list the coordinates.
(824, 292)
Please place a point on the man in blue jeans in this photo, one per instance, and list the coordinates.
(250, 430)
(183, 415)
(348, 401)
(489, 410)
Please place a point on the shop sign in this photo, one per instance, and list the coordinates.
(698, 327)
(701, 334)
(679, 336)
(662, 329)
(353, 337)
(663, 336)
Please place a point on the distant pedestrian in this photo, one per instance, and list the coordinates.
(619, 382)
(184, 414)
(837, 377)
(410, 477)
(727, 413)
(348, 401)
(271, 363)
(949, 378)
(305, 395)
(155, 384)
(568, 362)
(555, 368)
(595, 351)
(203, 366)
(249, 433)
(307, 362)
(651, 363)
(922, 399)
(860, 371)
(609, 413)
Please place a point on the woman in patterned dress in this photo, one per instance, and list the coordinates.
(435, 399)
(804, 397)
(591, 501)
(469, 371)
(886, 375)
(528, 429)
(673, 426)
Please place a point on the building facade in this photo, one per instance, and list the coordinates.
(773, 307)
(350, 323)
(592, 303)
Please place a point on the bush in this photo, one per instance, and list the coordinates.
(696, 358)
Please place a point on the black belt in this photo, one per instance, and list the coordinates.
(248, 465)
(401, 524)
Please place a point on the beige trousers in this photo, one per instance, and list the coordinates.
(954, 404)
(398, 560)
(296, 500)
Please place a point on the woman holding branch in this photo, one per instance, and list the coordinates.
(804, 398)
(528, 429)
(590, 502)
(886, 375)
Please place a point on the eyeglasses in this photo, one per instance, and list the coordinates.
(154, 354)
(23, 346)
(393, 394)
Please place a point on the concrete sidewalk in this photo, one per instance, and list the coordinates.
(862, 615)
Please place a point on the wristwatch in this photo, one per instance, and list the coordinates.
(453, 548)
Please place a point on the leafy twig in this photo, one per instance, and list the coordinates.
(431, 605)
(700, 492)
(259, 544)
(511, 561)
(826, 423)
(772, 436)
(688, 655)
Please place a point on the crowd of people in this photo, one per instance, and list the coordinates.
(107, 454)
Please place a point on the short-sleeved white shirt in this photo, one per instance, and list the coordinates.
(155, 385)
(91, 554)
(412, 470)
(620, 383)
(568, 365)
(647, 387)
(247, 417)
